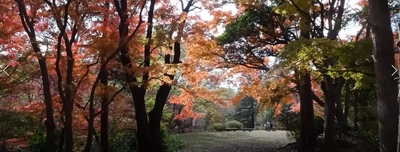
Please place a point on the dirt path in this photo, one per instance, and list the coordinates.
(255, 141)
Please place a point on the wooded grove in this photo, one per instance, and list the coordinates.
(180, 75)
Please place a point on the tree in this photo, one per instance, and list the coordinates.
(387, 91)
(29, 27)
(149, 133)
(246, 111)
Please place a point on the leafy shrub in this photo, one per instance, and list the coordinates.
(234, 124)
(170, 142)
(218, 127)
(37, 143)
(368, 126)
(291, 121)
(258, 128)
(127, 141)
(123, 141)
(318, 126)
(15, 124)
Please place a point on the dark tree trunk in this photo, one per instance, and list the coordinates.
(50, 125)
(329, 125)
(340, 115)
(386, 86)
(252, 115)
(355, 104)
(332, 86)
(177, 109)
(143, 129)
(61, 140)
(347, 100)
(105, 98)
(332, 95)
(162, 94)
(29, 27)
(138, 93)
(307, 139)
(104, 113)
(90, 120)
(67, 103)
(156, 114)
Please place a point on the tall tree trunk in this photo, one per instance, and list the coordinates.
(332, 86)
(138, 93)
(252, 115)
(347, 100)
(61, 140)
(67, 104)
(332, 95)
(340, 115)
(105, 98)
(355, 104)
(144, 134)
(29, 27)
(329, 125)
(307, 139)
(104, 113)
(156, 114)
(65, 89)
(386, 86)
(162, 94)
(90, 120)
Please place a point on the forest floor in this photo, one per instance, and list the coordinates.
(239, 141)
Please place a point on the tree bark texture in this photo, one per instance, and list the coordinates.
(307, 139)
(386, 86)
(29, 27)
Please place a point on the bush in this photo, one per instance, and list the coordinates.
(170, 142)
(15, 124)
(123, 141)
(37, 142)
(127, 142)
(218, 127)
(318, 126)
(295, 126)
(234, 124)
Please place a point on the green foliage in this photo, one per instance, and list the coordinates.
(170, 142)
(368, 125)
(246, 111)
(120, 141)
(253, 21)
(318, 126)
(218, 127)
(287, 117)
(234, 124)
(352, 59)
(294, 129)
(291, 121)
(15, 124)
(241, 39)
(37, 143)
(123, 141)
(127, 141)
